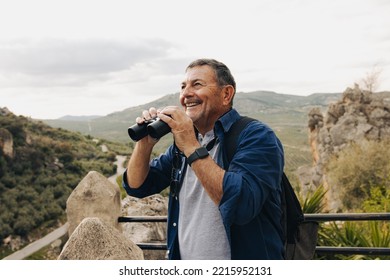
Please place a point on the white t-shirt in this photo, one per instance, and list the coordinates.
(201, 231)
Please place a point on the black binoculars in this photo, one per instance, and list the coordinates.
(156, 128)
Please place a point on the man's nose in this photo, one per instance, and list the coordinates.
(186, 91)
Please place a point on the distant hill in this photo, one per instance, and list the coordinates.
(270, 107)
(286, 114)
(78, 118)
(39, 168)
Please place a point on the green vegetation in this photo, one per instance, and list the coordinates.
(47, 164)
(358, 168)
(362, 172)
(352, 233)
(360, 233)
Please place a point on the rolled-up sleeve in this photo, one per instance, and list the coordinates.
(254, 172)
(158, 177)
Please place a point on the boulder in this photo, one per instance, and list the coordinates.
(155, 205)
(94, 196)
(94, 239)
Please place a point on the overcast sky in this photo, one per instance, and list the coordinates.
(95, 57)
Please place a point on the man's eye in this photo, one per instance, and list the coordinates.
(197, 84)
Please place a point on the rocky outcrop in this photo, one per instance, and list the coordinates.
(93, 209)
(359, 116)
(95, 240)
(155, 205)
(6, 142)
(94, 196)
(4, 111)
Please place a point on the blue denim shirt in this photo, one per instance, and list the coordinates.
(250, 206)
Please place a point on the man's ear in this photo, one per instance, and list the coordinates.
(228, 94)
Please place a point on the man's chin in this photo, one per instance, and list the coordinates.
(192, 111)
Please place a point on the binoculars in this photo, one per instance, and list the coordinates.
(156, 128)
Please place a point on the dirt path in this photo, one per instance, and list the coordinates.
(119, 169)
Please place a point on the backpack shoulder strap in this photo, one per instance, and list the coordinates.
(231, 137)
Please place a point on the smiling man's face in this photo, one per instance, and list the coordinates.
(202, 98)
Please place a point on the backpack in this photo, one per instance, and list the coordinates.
(300, 236)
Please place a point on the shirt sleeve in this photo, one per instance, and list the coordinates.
(158, 177)
(254, 173)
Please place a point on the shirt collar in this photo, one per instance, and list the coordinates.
(224, 123)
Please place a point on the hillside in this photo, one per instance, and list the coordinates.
(286, 114)
(270, 107)
(39, 168)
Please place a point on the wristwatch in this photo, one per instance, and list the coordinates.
(198, 154)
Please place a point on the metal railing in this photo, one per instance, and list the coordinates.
(329, 217)
(321, 250)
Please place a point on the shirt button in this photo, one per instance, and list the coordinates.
(174, 224)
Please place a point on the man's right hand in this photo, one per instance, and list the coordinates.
(147, 115)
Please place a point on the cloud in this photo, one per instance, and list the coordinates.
(64, 62)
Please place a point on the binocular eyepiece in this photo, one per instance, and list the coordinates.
(156, 128)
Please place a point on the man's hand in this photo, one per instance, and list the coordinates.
(182, 128)
(147, 115)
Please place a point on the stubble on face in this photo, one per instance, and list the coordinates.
(201, 97)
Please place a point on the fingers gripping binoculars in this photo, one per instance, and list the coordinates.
(156, 128)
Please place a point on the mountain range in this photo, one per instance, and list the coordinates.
(269, 107)
(286, 114)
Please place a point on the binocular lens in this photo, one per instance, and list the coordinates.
(155, 128)
(158, 129)
(137, 131)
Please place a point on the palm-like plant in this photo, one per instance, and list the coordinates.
(359, 234)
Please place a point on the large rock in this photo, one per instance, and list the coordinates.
(6, 142)
(95, 240)
(94, 196)
(358, 117)
(155, 205)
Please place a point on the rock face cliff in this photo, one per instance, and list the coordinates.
(6, 142)
(357, 117)
(6, 139)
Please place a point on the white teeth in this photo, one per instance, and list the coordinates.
(191, 104)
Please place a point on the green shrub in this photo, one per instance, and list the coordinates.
(358, 167)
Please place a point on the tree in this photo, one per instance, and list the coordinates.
(371, 81)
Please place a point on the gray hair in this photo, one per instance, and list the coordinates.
(222, 72)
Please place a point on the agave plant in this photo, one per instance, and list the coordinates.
(359, 234)
(314, 201)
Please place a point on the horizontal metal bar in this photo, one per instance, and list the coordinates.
(308, 217)
(353, 250)
(347, 217)
(152, 246)
(142, 219)
(319, 249)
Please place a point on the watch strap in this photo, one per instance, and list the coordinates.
(199, 153)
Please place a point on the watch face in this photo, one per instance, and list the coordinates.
(199, 153)
(202, 152)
